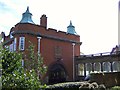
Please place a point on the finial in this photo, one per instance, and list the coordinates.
(27, 9)
(70, 23)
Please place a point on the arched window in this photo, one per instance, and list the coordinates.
(116, 66)
(80, 69)
(88, 68)
(106, 67)
(97, 67)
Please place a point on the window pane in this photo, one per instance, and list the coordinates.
(88, 68)
(22, 43)
(106, 66)
(15, 42)
(11, 47)
(80, 69)
(116, 66)
(97, 67)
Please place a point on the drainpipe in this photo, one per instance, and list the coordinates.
(39, 38)
(73, 44)
(39, 41)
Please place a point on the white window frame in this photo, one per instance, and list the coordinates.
(80, 69)
(11, 48)
(15, 44)
(22, 43)
(22, 63)
(11, 36)
(106, 67)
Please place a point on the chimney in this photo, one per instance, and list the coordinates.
(43, 21)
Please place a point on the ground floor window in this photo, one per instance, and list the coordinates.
(80, 69)
(97, 67)
(88, 68)
(116, 66)
(106, 67)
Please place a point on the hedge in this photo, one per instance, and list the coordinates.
(75, 86)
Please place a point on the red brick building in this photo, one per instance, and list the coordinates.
(57, 48)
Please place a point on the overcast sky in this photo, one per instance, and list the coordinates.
(96, 21)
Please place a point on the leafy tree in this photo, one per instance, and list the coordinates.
(35, 61)
(0, 62)
(14, 76)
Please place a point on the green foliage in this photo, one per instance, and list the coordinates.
(115, 88)
(76, 86)
(11, 61)
(35, 61)
(13, 74)
(0, 62)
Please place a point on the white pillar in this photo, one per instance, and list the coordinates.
(73, 44)
(39, 38)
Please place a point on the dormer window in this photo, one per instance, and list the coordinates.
(22, 43)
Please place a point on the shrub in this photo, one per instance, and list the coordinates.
(115, 88)
(76, 86)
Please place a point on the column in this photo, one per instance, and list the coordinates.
(111, 67)
(39, 38)
(76, 71)
(84, 69)
(93, 67)
(101, 66)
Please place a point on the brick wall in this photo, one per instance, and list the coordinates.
(108, 79)
(50, 38)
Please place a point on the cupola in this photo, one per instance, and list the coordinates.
(27, 17)
(71, 29)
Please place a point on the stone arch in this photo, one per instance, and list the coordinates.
(106, 67)
(81, 69)
(116, 66)
(97, 67)
(57, 73)
(88, 68)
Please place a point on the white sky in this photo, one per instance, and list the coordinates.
(96, 21)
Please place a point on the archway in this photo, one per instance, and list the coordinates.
(57, 74)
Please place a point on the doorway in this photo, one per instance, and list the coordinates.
(57, 74)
